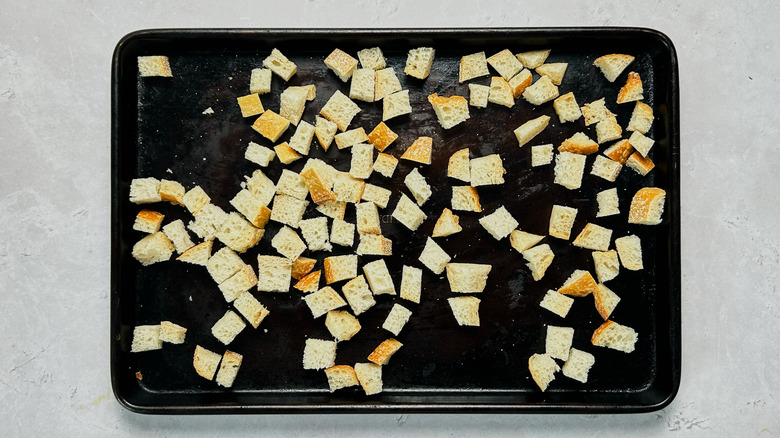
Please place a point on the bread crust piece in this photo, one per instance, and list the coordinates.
(419, 151)
(647, 206)
(579, 143)
(619, 151)
(579, 284)
(382, 353)
(309, 283)
(633, 90)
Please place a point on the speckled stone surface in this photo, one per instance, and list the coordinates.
(55, 192)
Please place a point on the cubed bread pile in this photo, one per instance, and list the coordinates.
(338, 276)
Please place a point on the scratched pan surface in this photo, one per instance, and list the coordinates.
(159, 131)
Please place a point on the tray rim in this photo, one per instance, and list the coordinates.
(370, 406)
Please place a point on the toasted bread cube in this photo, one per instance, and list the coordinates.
(374, 244)
(319, 354)
(472, 66)
(578, 365)
(323, 301)
(606, 301)
(595, 112)
(522, 241)
(541, 155)
(342, 64)
(619, 151)
(385, 165)
(325, 172)
(450, 111)
(280, 65)
(411, 284)
(350, 138)
(250, 308)
(362, 162)
(309, 283)
(172, 191)
(641, 118)
(408, 213)
(340, 110)
(501, 92)
(367, 218)
(533, 58)
(641, 165)
(554, 70)
(520, 82)
(629, 249)
(434, 257)
(325, 130)
(315, 232)
(362, 86)
(499, 223)
(447, 224)
(419, 151)
(154, 66)
(318, 190)
(556, 303)
(198, 254)
(205, 362)
(358, 295)
(396, 319)
(148, 221)
(612, 65)
(608, 202)
(479, 95)
(647, 206)
(153, 248)
(333, 209)
(250, 105)
(632, 91)
(228, 369)
(339, 268)
(467, 277)
(172, 333)
(238, 234)
(615, 336)
(505, 63)
(569, 169)
(342, 233)
(608, 129)
(241, 281)
(396, 104)
(539, 258)
(273, 273)
(579, 284)
(419, 62)
(530, 129)
(372, 58)
(302, 266)
(271, 125)
(228, 327)
(384, 351)
(370, 377)
(465, 310)
(558, 341)
(146, 338)
(288, 210)
(567, 108)
(458, 166)
(260, 81)
(465, 198)
(381, 137)
(386, 83)
(487, 170)
(341, 376)
(561, 221)
(541, 91)
(145, 190)
(342, 325)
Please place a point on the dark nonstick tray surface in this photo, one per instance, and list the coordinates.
(158, 130)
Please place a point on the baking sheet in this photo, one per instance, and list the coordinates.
(159, 130)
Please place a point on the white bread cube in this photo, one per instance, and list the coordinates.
(605, 168)
(238, 234)
(530, 129)
(639, 164)
(154, 66)
(579, 284)
(273, 273)
(541, 155)
(593, 237)
(358, 295)
(632, 91)
(271, 125)
(301, 140)
(472, 66)
(250, 105)
(288, 243)
(419, 62)
(533, 58)
(341, 376)
(459, 166)
(259, 155)
(323, 301)
(554, 70)
(291, 184)
(367, 218)
(325, 131)
(479, 95)
(578, 365)
(579, 143)
(487, 170)
(172, 191)
(228, 369)
(362, 162)
(411, 284)
(261, 187)
(561, 221)
(251, 309)
(613, 64)
(374, 244)
(447, 224)
(501, 92)
(499, 223)
(205, 362)
(396, 104)
(468, 277)
(241, 281)
(641, 118)
(280, 65)
(370, 377)
(608, 202)
(558, 341)
(362, 85)
(629, 249)
(539, 258)
(339, 268)
(288, 210)
(465, 198)
(340, 110)
(433, 257)
(543, 369)
(605, 301)
(318, 188)
(382, 137)
(505, 63)
(541, 91)
(315, 232)
(252, 207)
(260, 81)
(418, 186)
(146, 338)
(567, 108)
(333, 209)
(348, 188)
(384, 351)
(172, 333)
(198, 254)
(606, 264)
(408, 213)
(342, 233)
(595, 112)
(615, 336)
(647, 206)
(378, 277)
(569, 169)
(386, 83)
(350, 138)
(148, 221)
(145, 191)
(520, 82)
(342, 64)
(380, 196)
(319, 354)
(228, 327)
(607, 130)
(556, 303)
(450, 111)
(641, 143)
(396, 319)
(522, 241)
(309, 283)
(208, 221)
(465, 310)
(153, 248)
(342, 325)
(372, 58)
(419, 151)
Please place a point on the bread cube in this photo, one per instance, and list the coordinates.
(300, 141)
(378, 277)
(569, 169)
(533, 58)
(342, 325)
(384, 351)
(153, 248)
(561, 221)
(172, 333)
(385, 165)
(541, 91)
(505, 63)
(479, 95)
(342, 64)
(420, 150)
(632, 91)
(487, 170)
(396, 319)
(381, 137)
(260, 81)
(273, 273)
(315, 232)
(450, 111)
(613, 64)
(241, 281)
(386, 83)
(419, 62)
(465, 310)
(154, 66)
(358, 295)
(341, 376)
(541, 155)
(271, 125)
(205, 362)
(362, 86)
(408, 213)
(325, 131)
(539, 258)
(251, 309)
(228, 369)
(556, 303)
(280, 65)
(145, 190)
(148, 221)
(434, 257)
(339, 268)
(411, 284)
(250, 105)
(288, 243)
(146, 338)
(323, 301)
(288, 210)
(530, 129)
(372, 58)
(554, 70)
(396, 104)
(228, 327)
(501, 92)
(319, 354)
(447, 224)
(499, 223)
(340, 110)
(472, 66)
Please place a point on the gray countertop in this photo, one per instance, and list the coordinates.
(55, 194)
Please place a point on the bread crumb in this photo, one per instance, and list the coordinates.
(169, 170)
(208, 111)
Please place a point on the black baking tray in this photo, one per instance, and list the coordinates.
(159, 130)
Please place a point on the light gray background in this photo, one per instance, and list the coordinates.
(54, 214)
